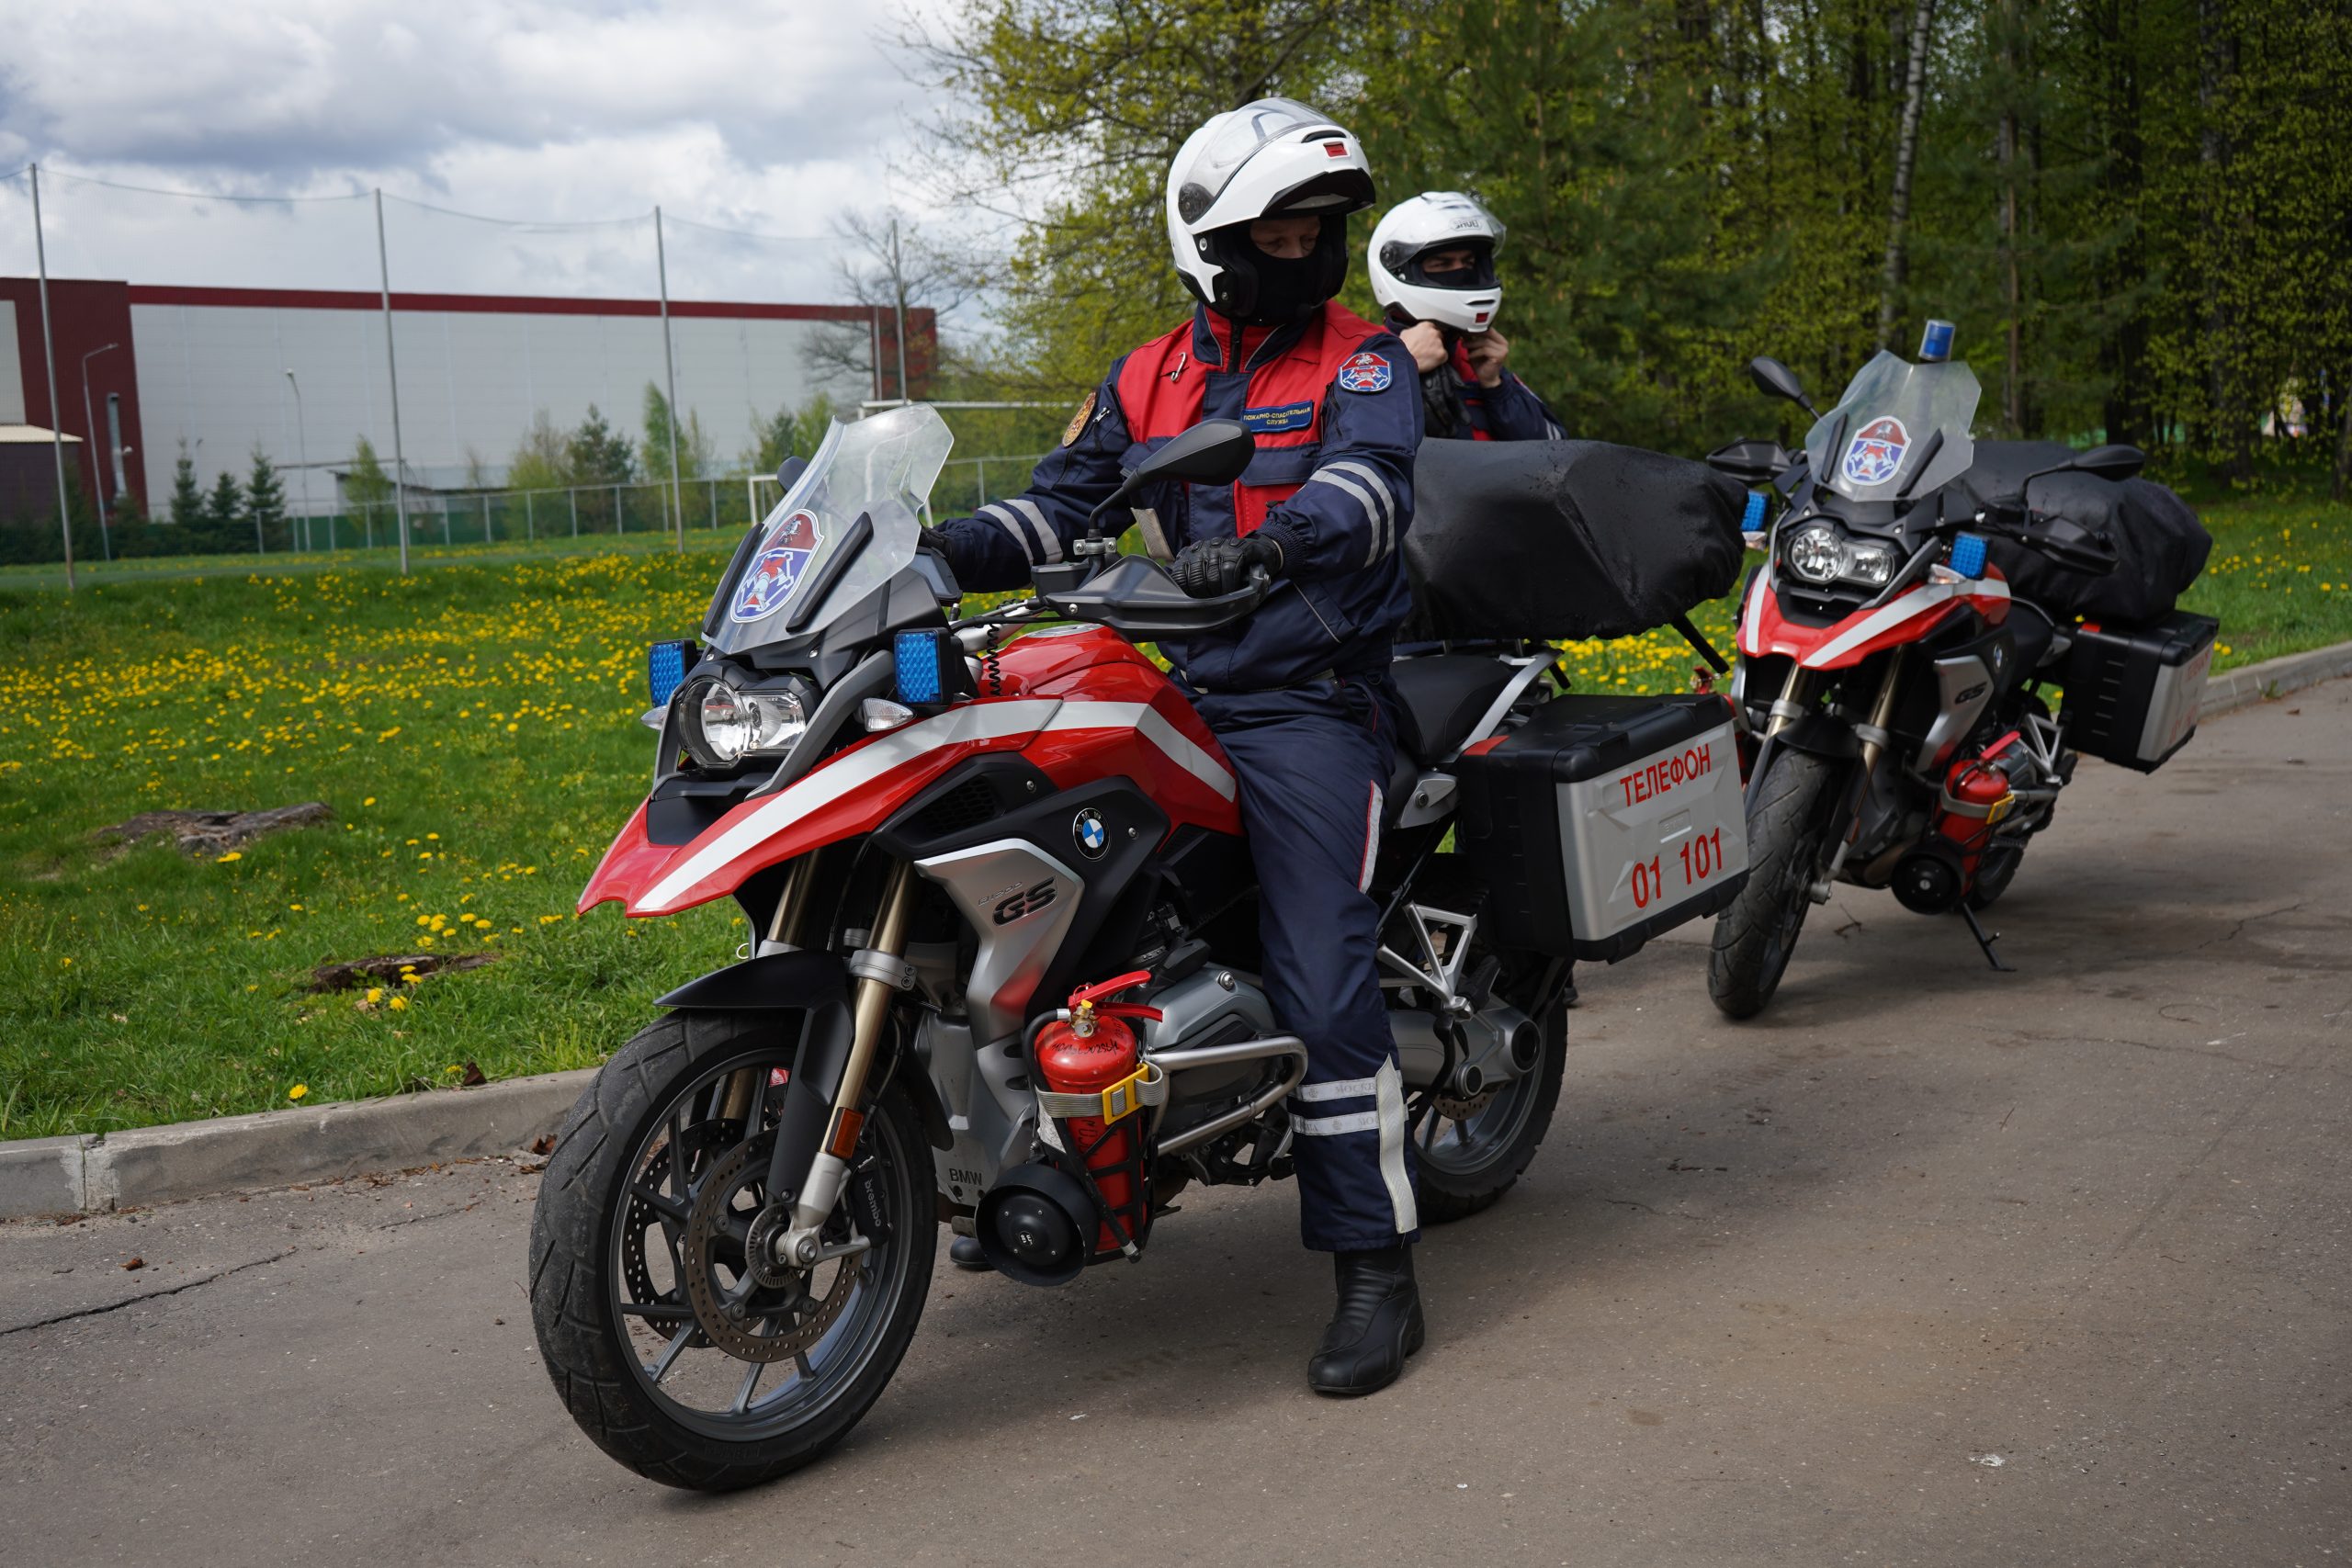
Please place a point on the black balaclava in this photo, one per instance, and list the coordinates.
(1260, 290)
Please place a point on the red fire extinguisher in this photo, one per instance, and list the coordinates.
(1097, 1082)
(1976, 796)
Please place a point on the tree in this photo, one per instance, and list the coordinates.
(223, 526)
(694, 442)
(897, 273)
(264, 500)
(1064, 116)
(187, 499)
(367, 489)
(542, 459)
(597, 456)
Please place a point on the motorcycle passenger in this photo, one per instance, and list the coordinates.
(1433, 272)
(1297, 692)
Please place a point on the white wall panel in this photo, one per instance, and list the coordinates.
(215, 376)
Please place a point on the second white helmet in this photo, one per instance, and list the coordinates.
(1273, 158)
(1410, 232)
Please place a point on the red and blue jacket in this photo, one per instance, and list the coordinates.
(1336, 412)
(1510, 412)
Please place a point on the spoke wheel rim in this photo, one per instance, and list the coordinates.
(696, 1384)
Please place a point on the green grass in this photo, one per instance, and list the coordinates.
(473, 728)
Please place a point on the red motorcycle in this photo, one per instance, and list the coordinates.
(1893, 686)
(1005, 974)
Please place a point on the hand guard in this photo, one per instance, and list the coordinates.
(1209, 567)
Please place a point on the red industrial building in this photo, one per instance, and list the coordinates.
(144, 370)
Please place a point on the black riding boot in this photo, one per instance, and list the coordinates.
(964, 1253)
(1376, 1325)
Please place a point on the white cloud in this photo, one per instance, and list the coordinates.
(772, 117)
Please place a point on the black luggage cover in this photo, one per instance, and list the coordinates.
(1564, 539)
(2162, 543)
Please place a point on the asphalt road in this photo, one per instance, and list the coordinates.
(1928, 1266)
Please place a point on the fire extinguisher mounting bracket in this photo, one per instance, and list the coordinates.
(1146, 1086)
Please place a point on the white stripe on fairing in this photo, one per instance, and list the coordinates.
(1751, 634)
(1341, 1089)
(1927, 596)
(981, 721)
(1049, 541)
(1389, 1095)
(1332, 1126)
(1148, 721)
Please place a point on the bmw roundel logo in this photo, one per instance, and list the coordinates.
(1092, 837)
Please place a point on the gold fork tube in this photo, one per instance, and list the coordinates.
(871, 1010)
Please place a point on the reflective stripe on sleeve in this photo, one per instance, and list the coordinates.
(1372, 494)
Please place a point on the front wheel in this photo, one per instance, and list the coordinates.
(1788, 840)
(675, 1354)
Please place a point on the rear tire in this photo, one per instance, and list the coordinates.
(1787, 840)
(582, 1264)
(1468, 1165)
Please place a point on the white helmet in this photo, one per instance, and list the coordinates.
(1272, 158)
(1411, 231)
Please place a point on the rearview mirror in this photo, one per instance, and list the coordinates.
(1213, 451)
(2117, 463)
(1777, 381)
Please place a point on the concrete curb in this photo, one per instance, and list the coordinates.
(2252, 683)
(93, 1173)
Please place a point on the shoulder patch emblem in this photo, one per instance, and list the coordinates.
(1366, 372)
(1077, 421)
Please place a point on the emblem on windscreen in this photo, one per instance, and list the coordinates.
(1092, 837)
(1876, 451)
(776, 570)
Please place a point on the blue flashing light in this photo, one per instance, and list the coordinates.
(1935, 343)
(916, 656)
(1968, 555)
(1753, 518)
(666, 667)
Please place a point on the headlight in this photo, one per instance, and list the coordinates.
(721, 725)
(1820, 554)
(1815, 553)
(1868, 562)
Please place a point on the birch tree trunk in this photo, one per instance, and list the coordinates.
(1907, 147)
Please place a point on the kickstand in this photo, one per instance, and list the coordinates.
(1977, 930)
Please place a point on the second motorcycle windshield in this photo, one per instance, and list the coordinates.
(848, 525)
(1900, 432)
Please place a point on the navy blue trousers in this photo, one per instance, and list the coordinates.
(1313, 762)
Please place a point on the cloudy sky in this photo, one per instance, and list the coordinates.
(767, 116)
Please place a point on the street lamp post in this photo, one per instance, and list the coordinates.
(97, 468)
(302, 451)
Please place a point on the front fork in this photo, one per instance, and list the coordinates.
(1794, 701)
(813, 1181)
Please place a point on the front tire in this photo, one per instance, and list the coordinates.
(1788, 839)
(667, 1121)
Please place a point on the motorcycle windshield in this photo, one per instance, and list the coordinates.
(1901, 430)
(815, 548)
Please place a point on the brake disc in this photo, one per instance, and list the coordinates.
(636, 1274)
(751, 1321)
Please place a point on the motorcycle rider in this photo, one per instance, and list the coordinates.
(1297, 692)
(1432, 263)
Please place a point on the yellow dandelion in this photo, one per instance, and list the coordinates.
(232, 854)
(298, 1091)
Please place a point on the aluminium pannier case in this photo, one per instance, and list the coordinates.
(1603, 821)
(2131, 692)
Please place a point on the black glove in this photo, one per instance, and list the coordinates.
(1208, 568)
